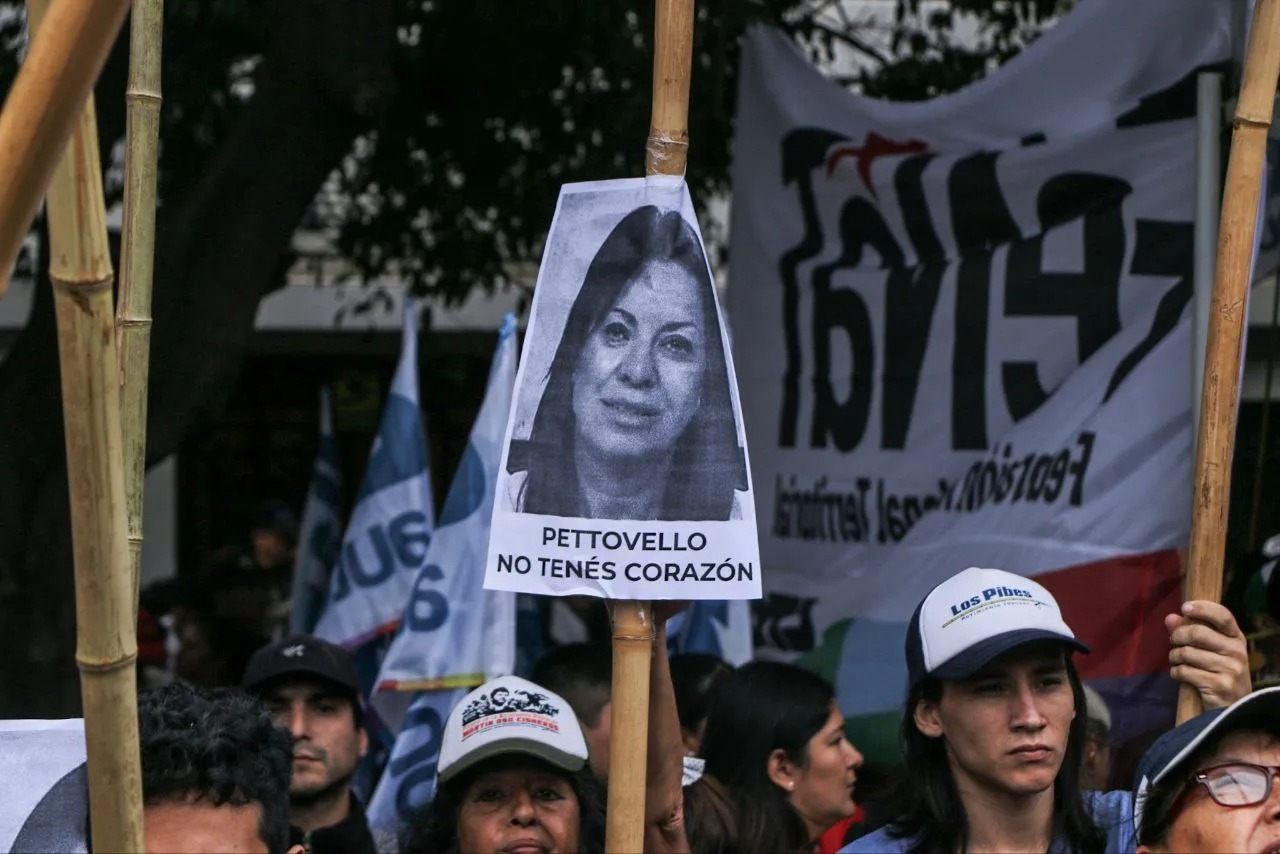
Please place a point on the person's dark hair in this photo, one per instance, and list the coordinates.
(759, 708)
(694, 675)
(934, 818)
(707, 464)
(582, 673)
(218, 746)
(710, 818)
(434, 829)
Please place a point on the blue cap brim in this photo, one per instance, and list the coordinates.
(978, 656)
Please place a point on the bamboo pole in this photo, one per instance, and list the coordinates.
(1221, 389)
(666, 153)
(137, 257)
(106, 633)
(633, 633)
(43, 106)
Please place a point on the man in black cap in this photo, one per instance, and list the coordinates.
(312, 689)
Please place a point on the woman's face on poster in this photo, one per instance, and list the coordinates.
(638, 381)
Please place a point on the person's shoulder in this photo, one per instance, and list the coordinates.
(1112, 812)
(875, 843)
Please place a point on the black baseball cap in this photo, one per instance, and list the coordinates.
(301, 655)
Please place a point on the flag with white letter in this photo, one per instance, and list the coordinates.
(390, 528)
(320, 535)
(454, 634)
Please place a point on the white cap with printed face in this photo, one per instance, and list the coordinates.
(510, 715)
(976, 615)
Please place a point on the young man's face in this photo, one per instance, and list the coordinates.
(327, 742)
(1006, 728)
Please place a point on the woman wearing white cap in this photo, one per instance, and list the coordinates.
(513, 774)
(995, 715)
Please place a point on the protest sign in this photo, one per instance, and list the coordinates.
(44, 796)
(970, 341)
(624, 471)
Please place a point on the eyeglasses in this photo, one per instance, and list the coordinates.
(1233, 784)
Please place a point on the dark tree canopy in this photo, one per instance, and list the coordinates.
(440, 131)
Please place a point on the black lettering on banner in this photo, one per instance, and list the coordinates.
(844, 309)
(911, 298)
(803, 151)
(1091, 296)
(1159, 249)
(982, 222)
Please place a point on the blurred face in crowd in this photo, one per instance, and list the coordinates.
(519, 805)
(270, 549)
(598, 741)
(822, 788)
(1006, 727)
(327, 741)
(1232, 800)
(638, 381)
(1095, 770)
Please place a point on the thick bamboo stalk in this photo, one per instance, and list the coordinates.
(1221, 389)
(137, 256)
(106, 635)
(666, 152)
(629, 713)
(43, 106)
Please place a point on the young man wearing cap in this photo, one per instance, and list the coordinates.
(994, 722)
(1210, 784)
(312, 689)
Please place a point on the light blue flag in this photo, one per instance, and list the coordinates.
(390, 528)
(320, 534)
(455, 634)
(409, 780)
(717, 627)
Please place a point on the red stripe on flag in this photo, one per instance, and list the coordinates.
(1117, 606)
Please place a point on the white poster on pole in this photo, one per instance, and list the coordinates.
(625, 473)
(44, 798)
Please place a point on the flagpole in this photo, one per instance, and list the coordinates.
(633, 630)
(1221, 385)
(137, 256)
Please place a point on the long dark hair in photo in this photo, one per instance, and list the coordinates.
(434, 830)
(762, 707)
(934, 816)
(707, 465)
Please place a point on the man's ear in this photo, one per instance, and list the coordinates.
(781, 770)
(927, 719)
(690, 740)
(364, 742)
(296, 849)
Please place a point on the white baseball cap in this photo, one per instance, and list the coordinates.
(511, 715)
(976, 615)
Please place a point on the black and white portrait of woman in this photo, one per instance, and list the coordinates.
(636, 417)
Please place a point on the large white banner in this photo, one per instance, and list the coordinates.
(961, 326)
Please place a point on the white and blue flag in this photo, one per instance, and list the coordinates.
(455, 635)
(716, 627)
(390, 528)
(320, 534)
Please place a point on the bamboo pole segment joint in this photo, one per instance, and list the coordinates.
(110, 666)
(1250, 122)
(144, 95)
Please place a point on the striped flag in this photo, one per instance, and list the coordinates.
(320, 534)
(390, 528)
(716, 627)
(455, 634)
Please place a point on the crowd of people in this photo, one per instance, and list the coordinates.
(1004, 749)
